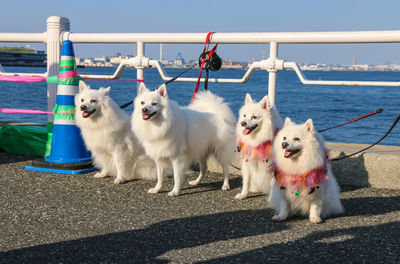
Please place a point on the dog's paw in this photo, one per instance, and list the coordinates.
(193, 183)
(240, 196)
(152, 191)
(279, 217)
(119, 181)
(100, 175)
(225, 187)
(173, 193)
(315, 220)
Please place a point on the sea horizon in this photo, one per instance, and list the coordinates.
(326, 105)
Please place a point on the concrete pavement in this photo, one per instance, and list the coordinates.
(52, 218)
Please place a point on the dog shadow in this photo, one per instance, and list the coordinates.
(146, 245)
(234, 182)
(369, 206)
(344, 171)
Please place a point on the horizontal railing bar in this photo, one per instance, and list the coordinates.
(244, 79)
(390, 36)
(23, 74)
(293, 66)
(23, 37)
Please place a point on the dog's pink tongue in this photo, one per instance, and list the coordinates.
(145, 116)
(84, 114)
(246, 131)
(287, 153)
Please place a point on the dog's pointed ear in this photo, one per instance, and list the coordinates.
(83, 86)
(265, 103)
(142, 88)
(309, 125)
(248, 99)
(107, 90)
(162, 90)
(288, 122)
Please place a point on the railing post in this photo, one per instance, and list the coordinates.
(273, 55)
(55, 25)
(139, 54)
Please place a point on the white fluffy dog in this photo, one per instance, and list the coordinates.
(303, 181)
(178, 136)
(256, 128)
(107, 133)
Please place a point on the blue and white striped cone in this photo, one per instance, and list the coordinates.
(68, 154)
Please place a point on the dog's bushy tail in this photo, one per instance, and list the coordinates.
(224, 121)
(209, 102)
(145, 168)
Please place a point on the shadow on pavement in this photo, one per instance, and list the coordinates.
(362, 244)
(144, 245)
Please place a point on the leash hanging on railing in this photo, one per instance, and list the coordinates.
(205, 56)
(208, 60)
(212, 63)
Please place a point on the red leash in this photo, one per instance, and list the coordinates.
(196, 89)
(355, 119)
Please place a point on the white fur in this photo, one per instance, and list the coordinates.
(178, 136)
(108, 135)
(324, 201)
(255, 173)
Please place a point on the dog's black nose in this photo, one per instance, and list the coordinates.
(144, 110)
(285, 145)
(83, 107)
(243, 123)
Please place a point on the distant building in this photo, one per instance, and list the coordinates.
(233, 65)
(101, 59)
(118, 60)
(179, 61)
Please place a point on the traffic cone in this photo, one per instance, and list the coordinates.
(68, 154)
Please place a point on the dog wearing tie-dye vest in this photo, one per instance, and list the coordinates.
(257, 125)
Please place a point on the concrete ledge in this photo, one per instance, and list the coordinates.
(378, 167)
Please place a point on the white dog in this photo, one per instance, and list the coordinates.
(303, 181)
(107, 133)
(178, 136)
(256, 128)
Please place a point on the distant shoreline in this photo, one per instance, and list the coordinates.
(338, 69)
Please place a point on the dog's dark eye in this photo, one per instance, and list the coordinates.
(284, 138)
(253, 117)
(244, 115)
(153, 104)
(82, 100)
(296, 139)
(142, 102)
(93, 101)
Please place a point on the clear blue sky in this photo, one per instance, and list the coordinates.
(218, 16)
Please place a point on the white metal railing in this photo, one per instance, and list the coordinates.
(58, 30)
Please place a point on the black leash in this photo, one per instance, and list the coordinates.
(179, 75)
(126, 104)
(167, 82)
(387, 133)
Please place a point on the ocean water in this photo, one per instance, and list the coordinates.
(326, 105)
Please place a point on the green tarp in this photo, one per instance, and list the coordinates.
(26, 140)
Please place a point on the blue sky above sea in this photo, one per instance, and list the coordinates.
(218, 16)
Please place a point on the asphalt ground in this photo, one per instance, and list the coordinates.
(54, 218)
